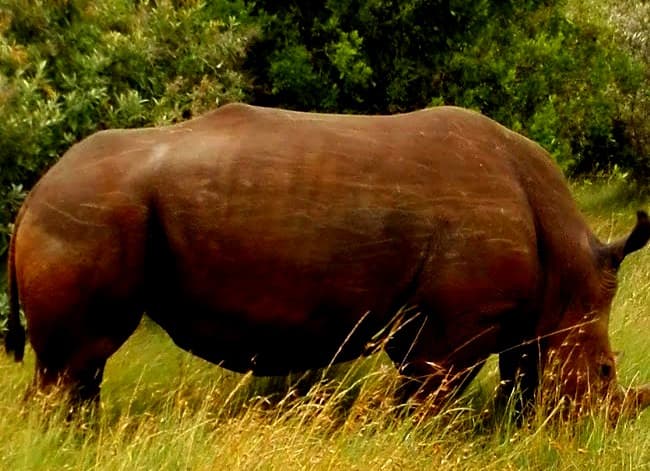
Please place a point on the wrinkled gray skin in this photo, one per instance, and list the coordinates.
(259, 239)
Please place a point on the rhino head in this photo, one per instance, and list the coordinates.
(578, 363)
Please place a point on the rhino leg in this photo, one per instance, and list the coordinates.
(519, 371)
(82, 385)
(429, 375)
(433, 384)
(72, 348)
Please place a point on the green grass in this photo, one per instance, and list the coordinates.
(163, 409)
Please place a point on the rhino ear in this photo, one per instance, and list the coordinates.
(633, 242)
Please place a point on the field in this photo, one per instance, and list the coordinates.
(163, 409)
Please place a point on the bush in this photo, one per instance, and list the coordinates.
(629, 20)
(554, 76)
(357, 55)
(72, 67)
(552, 79)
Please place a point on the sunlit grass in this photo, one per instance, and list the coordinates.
(163, 409)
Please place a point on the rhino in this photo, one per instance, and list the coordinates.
(274, 241)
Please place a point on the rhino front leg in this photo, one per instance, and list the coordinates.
(430, 376)
(433, 385)
(519, 371)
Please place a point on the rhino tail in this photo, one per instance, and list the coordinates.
(15, 334)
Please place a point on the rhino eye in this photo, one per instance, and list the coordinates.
(605, 370)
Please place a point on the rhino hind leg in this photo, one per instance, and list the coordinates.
(82, 386)
(72, 355)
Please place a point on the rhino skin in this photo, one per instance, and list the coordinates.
(275, 241)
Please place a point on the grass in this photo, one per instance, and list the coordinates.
(163, 409)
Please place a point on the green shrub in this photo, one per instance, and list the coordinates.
(552, 79)
(560, 78)
(627, 21)
(71, 67)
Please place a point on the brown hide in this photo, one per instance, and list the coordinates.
(270, 240)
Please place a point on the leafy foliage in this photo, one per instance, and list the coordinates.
(558, 78)
(630, 20)
(71, 67)
(551, 79)
(363, 55)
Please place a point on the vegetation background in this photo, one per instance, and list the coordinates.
(572, 75)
